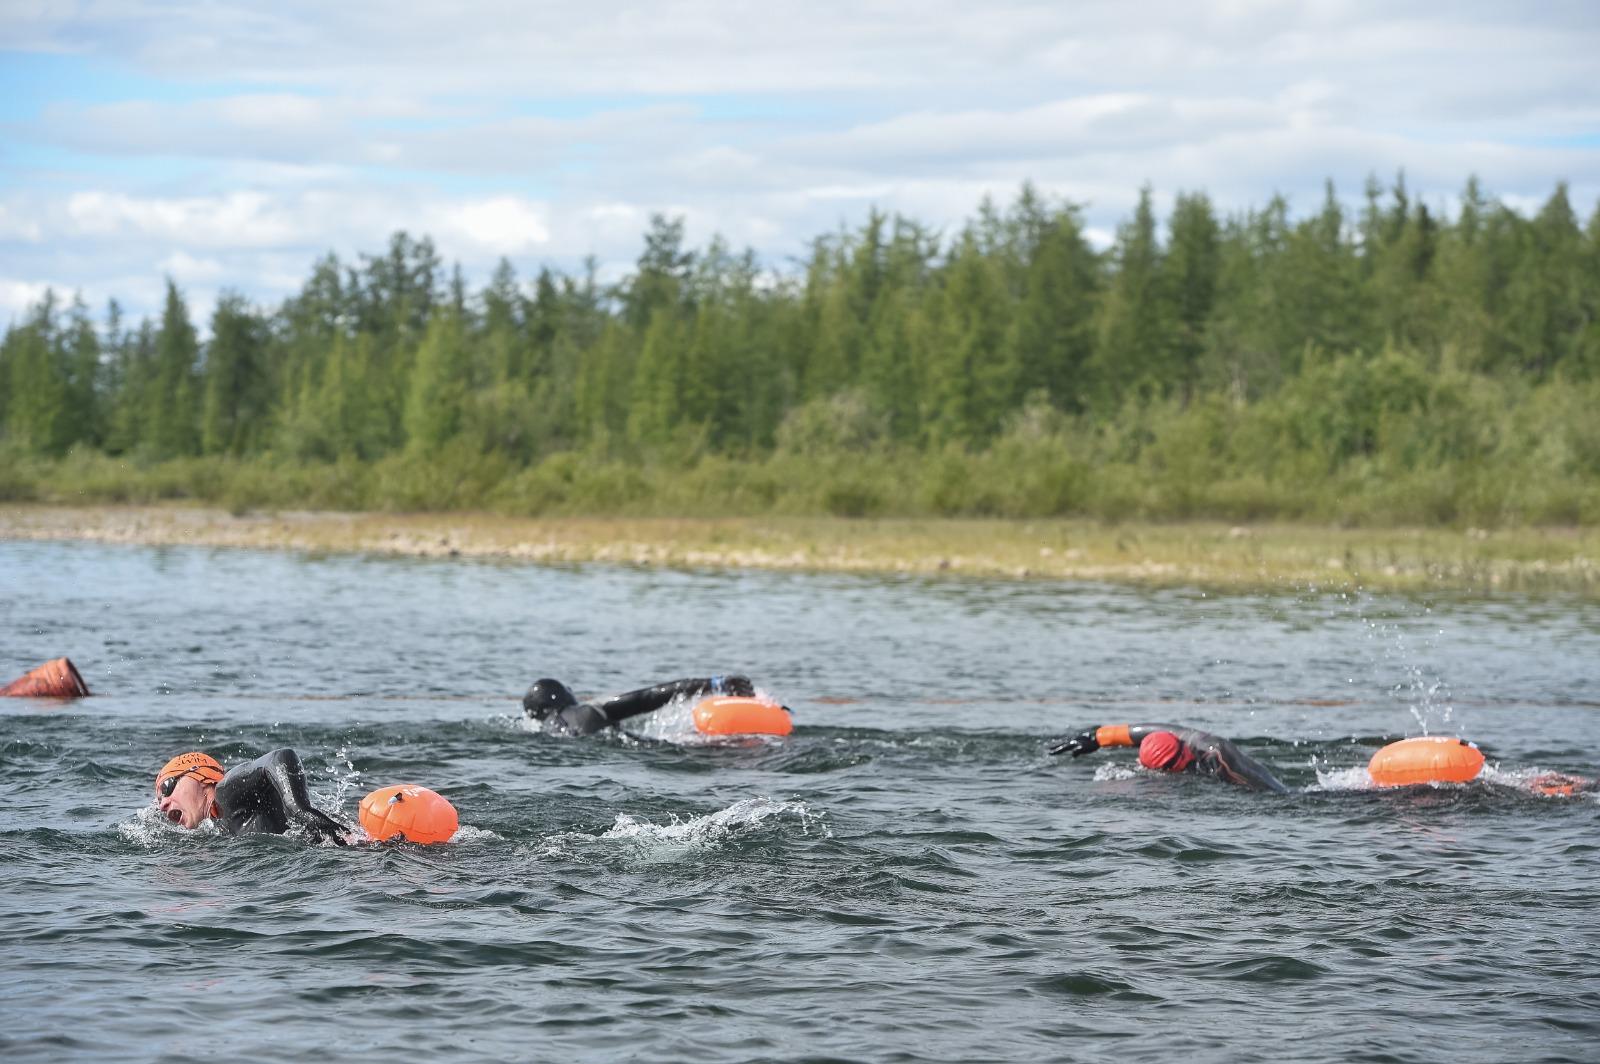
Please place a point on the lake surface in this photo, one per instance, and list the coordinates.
(907, 877)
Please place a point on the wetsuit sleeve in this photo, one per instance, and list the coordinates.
(1130, 734)
(581, 719)
(586, 718)
(1087, 742)
(649, 699)
(1233, 765)
(270, 795)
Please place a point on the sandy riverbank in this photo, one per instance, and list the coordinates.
(1195, 553)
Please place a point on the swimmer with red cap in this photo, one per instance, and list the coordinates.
(264, 796)
(1172, 748)
(553, 705)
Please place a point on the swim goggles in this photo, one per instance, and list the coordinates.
(170, 783)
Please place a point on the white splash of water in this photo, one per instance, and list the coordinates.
(1108, 771)
(1543, 782)
(674, 723)
(1428, 697)
(678, 837)
(1354, 778)
(468, 833)
(346, 779)
(713, 827)
(148, 828)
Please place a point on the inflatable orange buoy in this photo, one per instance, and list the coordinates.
(1425, 759)
(53, 679)
(414, 813)
(729, 715)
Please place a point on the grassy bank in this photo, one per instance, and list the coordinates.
(1177, 468)
(1206, 554)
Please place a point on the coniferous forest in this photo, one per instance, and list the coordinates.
(1380, 365)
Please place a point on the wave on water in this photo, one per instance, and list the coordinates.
(713, 827)
(680, 836)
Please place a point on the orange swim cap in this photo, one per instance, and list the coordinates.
(1164, 752)
(194, 763)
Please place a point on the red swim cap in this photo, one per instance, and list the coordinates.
(1164, 752)
(202, 766)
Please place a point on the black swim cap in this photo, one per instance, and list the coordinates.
(546, 697)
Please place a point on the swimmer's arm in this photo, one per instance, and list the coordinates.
(649, 699)
(1087, 742)
(1239, 768)
(289, 780)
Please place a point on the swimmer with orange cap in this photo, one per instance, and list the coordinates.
(1172, 748)
(553, 705)
(264, 796)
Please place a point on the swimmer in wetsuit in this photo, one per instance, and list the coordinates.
(1171, 748)
(552, 704)
(264, 796)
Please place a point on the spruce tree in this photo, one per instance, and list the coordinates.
(1135, 318)
(1189, 283)
(172, 404)
(236, 388)
(1053, 328)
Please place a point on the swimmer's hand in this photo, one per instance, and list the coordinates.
(1077, 745)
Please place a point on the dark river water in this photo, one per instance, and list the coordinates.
(907, 877)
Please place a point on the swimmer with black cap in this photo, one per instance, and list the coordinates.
(553, 705)
(264, 796)
(1172, 748)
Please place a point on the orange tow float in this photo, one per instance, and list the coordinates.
(731, 715)
(1425, 759)
(54, 679)
(414, 813)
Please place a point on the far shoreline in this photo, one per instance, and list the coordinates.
(1202, 554)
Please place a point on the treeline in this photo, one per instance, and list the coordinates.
(1388, 364)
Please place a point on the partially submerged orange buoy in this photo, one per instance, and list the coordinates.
(414, 813)
(1425, 759)
(53, 679)
(732, 715)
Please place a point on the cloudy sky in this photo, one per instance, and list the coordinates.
(227, 144)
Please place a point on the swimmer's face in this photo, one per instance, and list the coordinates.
(189, 803)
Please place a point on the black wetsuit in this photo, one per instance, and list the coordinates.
(268, 796)
(1213, 755)
(586, 718)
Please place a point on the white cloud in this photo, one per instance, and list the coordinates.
(249, 219)
(186, 269)
(503, 225)
(18, 297)
(16, 226)
(548, 131)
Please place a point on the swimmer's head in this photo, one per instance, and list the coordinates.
(185, 787)
(1165, 752)
(546, 697)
